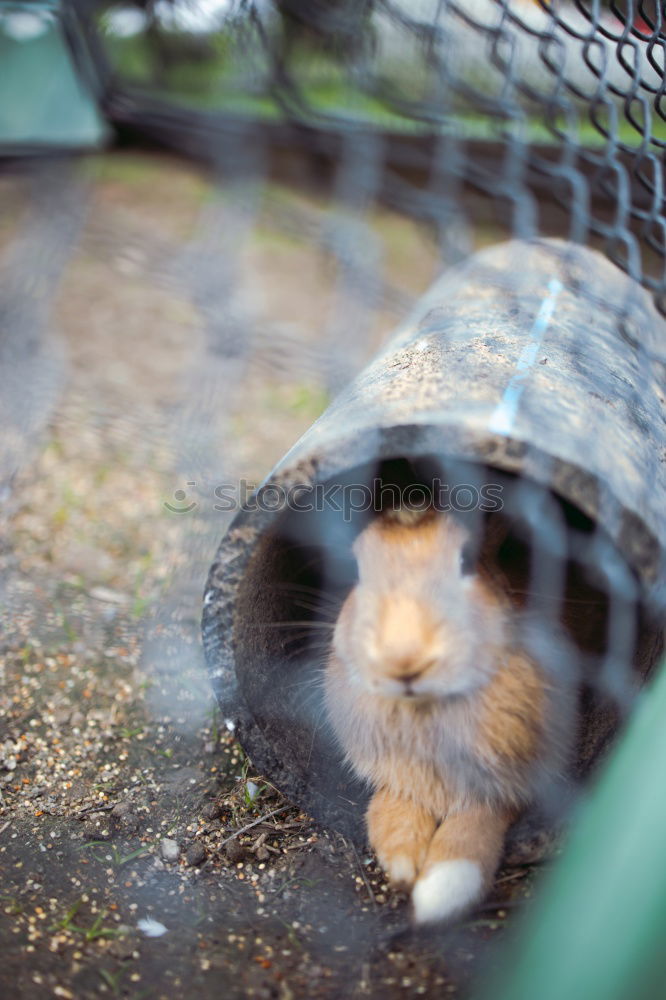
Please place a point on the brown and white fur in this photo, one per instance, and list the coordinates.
(453, 727)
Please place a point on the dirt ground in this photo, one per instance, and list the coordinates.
(160, 335)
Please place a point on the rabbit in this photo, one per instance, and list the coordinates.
(432, 702)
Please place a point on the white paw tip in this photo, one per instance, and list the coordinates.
(448, 889)
(401, 870)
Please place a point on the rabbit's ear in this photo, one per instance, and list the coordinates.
(496, 530)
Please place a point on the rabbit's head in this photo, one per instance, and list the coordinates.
(421, 624)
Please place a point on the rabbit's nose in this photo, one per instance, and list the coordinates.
(408, 674)
(407, 677)
(408, 669)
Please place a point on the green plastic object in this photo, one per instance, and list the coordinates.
(44, 103)
(598, 931)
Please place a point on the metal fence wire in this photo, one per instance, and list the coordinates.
(551, 112)
(524, 119)
(480, 122)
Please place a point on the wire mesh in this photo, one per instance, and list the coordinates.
(508, 100)
(353, 152)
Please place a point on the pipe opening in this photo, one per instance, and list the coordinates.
(546, 551)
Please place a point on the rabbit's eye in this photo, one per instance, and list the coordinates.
(467, 564)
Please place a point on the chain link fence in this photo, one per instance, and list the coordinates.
(357, 151)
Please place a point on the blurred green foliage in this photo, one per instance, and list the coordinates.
(284, 66)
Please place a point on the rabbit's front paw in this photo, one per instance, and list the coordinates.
(400, 834)
(402, 868)
(447, 890)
